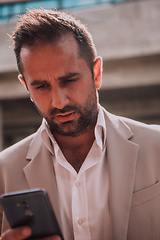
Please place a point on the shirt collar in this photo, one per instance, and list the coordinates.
(100, 129)
(47, 136)
(100, 132)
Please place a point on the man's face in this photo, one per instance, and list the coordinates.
(60, 84)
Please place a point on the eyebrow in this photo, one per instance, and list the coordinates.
(67, 76)
(38, 82)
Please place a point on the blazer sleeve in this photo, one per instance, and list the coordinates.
(1, 214)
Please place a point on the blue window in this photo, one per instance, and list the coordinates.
(8, 11)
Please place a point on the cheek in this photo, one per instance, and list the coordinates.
(87, 90)
(41, 101)
(78, 96)
(81, 91)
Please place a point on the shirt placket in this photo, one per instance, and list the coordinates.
(80, 209)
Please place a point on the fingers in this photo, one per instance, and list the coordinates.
(16, 234)
(56, 238)
(52, 238)
(22, 233)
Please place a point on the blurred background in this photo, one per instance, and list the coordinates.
(127, 36)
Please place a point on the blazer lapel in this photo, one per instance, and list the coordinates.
(122, 158)
(40, 172)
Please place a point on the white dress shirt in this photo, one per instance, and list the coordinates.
(83, 196)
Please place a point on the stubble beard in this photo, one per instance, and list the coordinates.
(86, 121)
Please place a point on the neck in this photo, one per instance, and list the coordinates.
(75, 149)
(77, 141)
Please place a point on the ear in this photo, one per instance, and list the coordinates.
(97, 70)
(21, 79)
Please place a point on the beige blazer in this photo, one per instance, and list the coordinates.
(133, 155)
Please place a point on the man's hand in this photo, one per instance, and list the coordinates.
(16, 234)
(22, 233)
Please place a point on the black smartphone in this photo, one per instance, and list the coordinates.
(31, 208)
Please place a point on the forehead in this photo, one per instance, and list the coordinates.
(52, 60)
(66, 44)
(65, 47)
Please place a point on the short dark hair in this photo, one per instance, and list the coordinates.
(39, 26)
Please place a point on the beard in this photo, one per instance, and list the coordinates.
(87, 117)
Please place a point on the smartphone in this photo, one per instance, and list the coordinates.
(31, 208)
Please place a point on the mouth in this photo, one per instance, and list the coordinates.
(65, 117)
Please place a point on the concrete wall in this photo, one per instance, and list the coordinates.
(127, 37)
(122, 31)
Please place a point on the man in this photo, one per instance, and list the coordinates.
(101, 171)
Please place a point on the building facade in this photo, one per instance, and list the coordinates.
(126, 36)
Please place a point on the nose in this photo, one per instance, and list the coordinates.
(59, 98)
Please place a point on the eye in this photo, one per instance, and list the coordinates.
(43, 86)
(68, 81)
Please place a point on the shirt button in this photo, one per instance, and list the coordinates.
(80, 221)
(77, 184)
